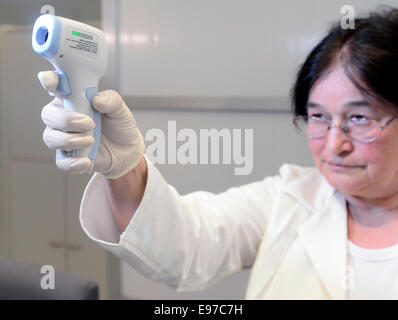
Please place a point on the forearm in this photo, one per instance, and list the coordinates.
(126, 192)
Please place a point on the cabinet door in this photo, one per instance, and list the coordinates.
(37, 213)
(21, 100)
(32, 186)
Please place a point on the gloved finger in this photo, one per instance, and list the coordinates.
(56, 139)
(56, 117)
(73, 165)
(49, 81)
(108, 102)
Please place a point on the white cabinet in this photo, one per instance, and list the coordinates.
(39, 203)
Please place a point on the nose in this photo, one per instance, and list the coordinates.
(338, 142)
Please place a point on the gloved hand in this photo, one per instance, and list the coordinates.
(121, 147)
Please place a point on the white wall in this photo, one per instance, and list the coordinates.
(219, 48)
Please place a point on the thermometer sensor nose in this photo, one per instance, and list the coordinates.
(41, 36)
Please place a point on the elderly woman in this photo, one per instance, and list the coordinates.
(329, 232)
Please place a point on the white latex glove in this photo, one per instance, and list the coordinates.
(121, 147)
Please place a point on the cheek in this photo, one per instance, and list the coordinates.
(380, 158)
(316, 147)
(370, 153)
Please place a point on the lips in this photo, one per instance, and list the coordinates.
(344, 166)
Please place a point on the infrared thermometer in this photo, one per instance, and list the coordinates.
(78, 53)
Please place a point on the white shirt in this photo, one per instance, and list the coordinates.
(372, 273)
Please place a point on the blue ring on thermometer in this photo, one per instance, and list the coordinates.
(46, 40)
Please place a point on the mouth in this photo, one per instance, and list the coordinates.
(341, 166)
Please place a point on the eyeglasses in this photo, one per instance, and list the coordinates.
(358, 128)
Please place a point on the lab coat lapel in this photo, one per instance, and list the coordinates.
(317, 216)
(275, 246)
(324, 236)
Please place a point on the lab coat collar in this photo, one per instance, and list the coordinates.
(324, 234)
(312, 189)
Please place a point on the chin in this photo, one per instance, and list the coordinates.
(351, 184)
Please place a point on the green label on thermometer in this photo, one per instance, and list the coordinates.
(83, 42)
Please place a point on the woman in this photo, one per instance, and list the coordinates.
(329, 232)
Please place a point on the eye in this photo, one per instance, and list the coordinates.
(317, 117)
(359, 119)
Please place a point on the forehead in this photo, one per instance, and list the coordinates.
(335, 93)
(334, 89)
(349, 105)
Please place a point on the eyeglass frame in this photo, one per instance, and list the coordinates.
(344, 129)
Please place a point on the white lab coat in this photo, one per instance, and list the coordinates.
(290, 228)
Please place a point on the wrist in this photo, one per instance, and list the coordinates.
(126, 192)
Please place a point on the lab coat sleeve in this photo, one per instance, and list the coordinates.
(188, 242)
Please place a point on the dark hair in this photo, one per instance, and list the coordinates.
(368, 54)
